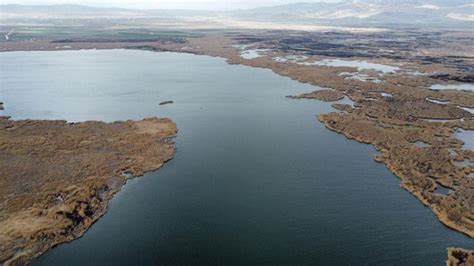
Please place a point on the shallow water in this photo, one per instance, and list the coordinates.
(442, 190)
(442, 120)
(469, 109)
(290, 58)
(437, 101)
(467, 136)
(346, 100)
(359, 76)
(461, 164)
(256, 178)
(421, 144)
(253, 53)
(360, 65)
(460, 86)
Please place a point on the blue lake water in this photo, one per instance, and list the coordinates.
(256, 178)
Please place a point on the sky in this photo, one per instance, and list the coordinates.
(168, 4)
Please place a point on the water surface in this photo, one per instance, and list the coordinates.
(256, 178)
(359, 64)
(253, 53)
(459, 86)
(467, 136)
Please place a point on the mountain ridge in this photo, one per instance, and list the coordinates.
(357, 12)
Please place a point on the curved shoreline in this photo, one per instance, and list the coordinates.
(459, 256)
(460, 217)
(90, 159)
(329, 78)
(423, 189)
(395, 169)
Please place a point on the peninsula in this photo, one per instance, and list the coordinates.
(58, 177)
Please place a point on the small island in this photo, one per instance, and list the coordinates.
(166, 102)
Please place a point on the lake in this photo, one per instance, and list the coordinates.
(256, 179)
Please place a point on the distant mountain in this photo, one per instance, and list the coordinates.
(349, 12)
(57, 9)
(368, 12)
(80, 11)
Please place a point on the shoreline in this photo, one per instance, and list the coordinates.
(71, 202)
(367, 112)
(468, 125)
(392, 168)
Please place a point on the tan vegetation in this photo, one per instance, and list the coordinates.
(395, 125)
(460, 257)
(322, 95)
(392, 124)
(58, 177)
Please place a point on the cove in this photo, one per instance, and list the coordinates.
(256, 178)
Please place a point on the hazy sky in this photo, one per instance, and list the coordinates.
(181, 4)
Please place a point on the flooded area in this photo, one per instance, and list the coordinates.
(470, 110)
(421, 144)
(359, 64)
(346, 100)
(253, 53)
(467, 136)
(460, 86)
(442, 190)
(360, 76)
(437, 101)
(290, 58)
